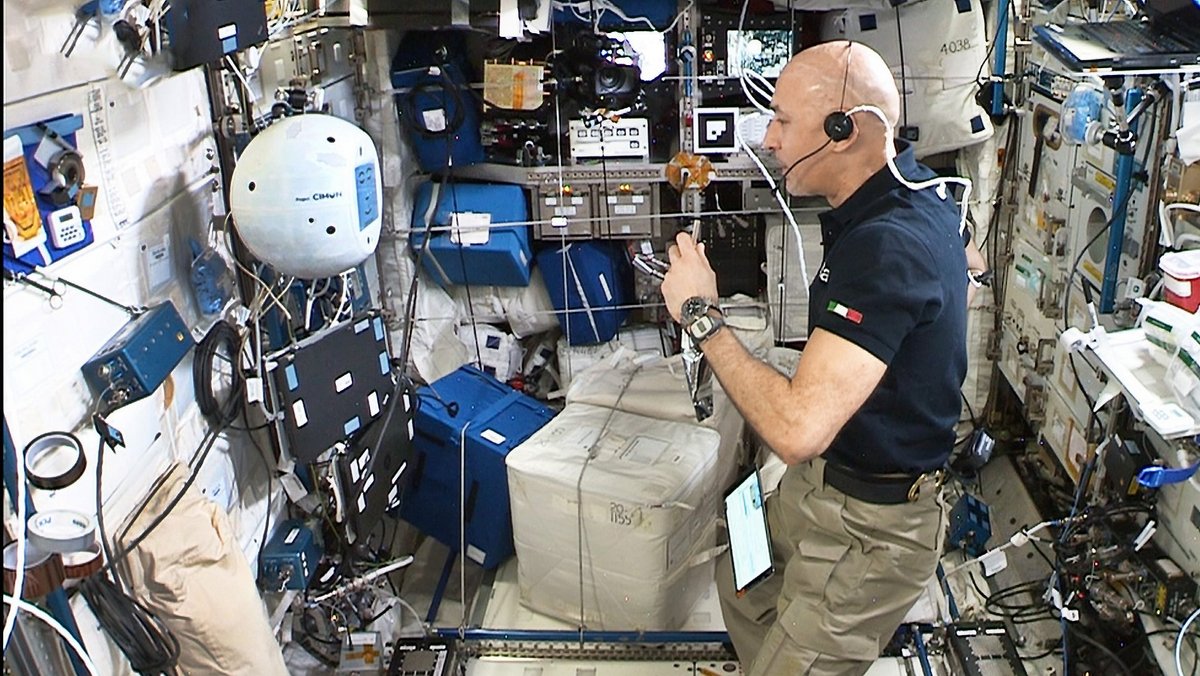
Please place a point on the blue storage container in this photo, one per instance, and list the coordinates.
(592, 298)
(496, 419)
(502, 260)
(437, 109)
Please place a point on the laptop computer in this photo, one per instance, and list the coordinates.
(1165, 37)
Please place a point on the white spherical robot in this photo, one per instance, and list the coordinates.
(305, 196)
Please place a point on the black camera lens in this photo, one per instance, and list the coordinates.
(609, 77)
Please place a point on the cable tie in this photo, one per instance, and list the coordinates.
(1156, 476)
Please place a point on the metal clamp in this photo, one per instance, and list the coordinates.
(938, 476)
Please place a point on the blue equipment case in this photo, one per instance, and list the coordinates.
(496, 419)
(504, 260)
(438, 110)
(139, 357)
(970, 525)
(592, 297)
(290, 558)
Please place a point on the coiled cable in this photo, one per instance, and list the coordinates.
(221, 335)
(148, 643)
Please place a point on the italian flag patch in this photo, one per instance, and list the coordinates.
(843, 311)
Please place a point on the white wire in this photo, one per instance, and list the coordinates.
(767, 85)
(20, 604)
(748, 84)
(921, 185)
(237, 71)
(686, 8)
(408, 606)
(1179, 642)
(603, 6)
(787, 210)
(742, 79)
(362, 580)
(19, 583)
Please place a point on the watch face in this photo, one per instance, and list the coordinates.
(693, 307)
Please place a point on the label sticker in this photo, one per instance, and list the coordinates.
(299, 413)
(476, 554)
(435, 120)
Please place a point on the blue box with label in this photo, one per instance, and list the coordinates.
(437, 109)
(590, 289)
(469, 243)
(468, 411)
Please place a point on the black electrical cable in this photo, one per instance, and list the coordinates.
(206, 445)
(462, 261)
(992, 46)
(970, 409)
(410, 115)
(103, 530)
(221, 335)
(148, 643)
(903, 73)
(1120, 209)
(262, 454)
(410, 305)
(998, 201)
(1057, 579)
(1048, 653)
(1104, 650)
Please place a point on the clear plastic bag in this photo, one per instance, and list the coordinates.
(211, 283)
(1081, 113)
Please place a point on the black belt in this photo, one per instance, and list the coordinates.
(882, 489)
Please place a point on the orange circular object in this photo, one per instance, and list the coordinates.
(686, 171)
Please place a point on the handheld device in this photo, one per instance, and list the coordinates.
(749, 534)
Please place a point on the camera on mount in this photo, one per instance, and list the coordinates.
(598, 72)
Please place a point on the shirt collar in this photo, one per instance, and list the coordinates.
(859, 205)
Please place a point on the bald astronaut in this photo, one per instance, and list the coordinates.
(867, 422)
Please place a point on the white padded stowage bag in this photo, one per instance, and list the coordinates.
(637, 496)
(944, 44)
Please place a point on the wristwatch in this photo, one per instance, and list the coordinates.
(700, 318)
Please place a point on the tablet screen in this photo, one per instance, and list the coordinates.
(749, 539)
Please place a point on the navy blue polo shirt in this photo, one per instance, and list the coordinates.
(893, 282)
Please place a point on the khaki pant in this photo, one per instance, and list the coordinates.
(846, 573)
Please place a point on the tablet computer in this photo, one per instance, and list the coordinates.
(749, 536)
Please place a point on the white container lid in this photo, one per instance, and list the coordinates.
(1181, 264)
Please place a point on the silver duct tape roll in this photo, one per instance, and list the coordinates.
(61, 531)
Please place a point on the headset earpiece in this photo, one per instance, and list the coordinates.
(838, 126)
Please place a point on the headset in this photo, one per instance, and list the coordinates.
(839, 126)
